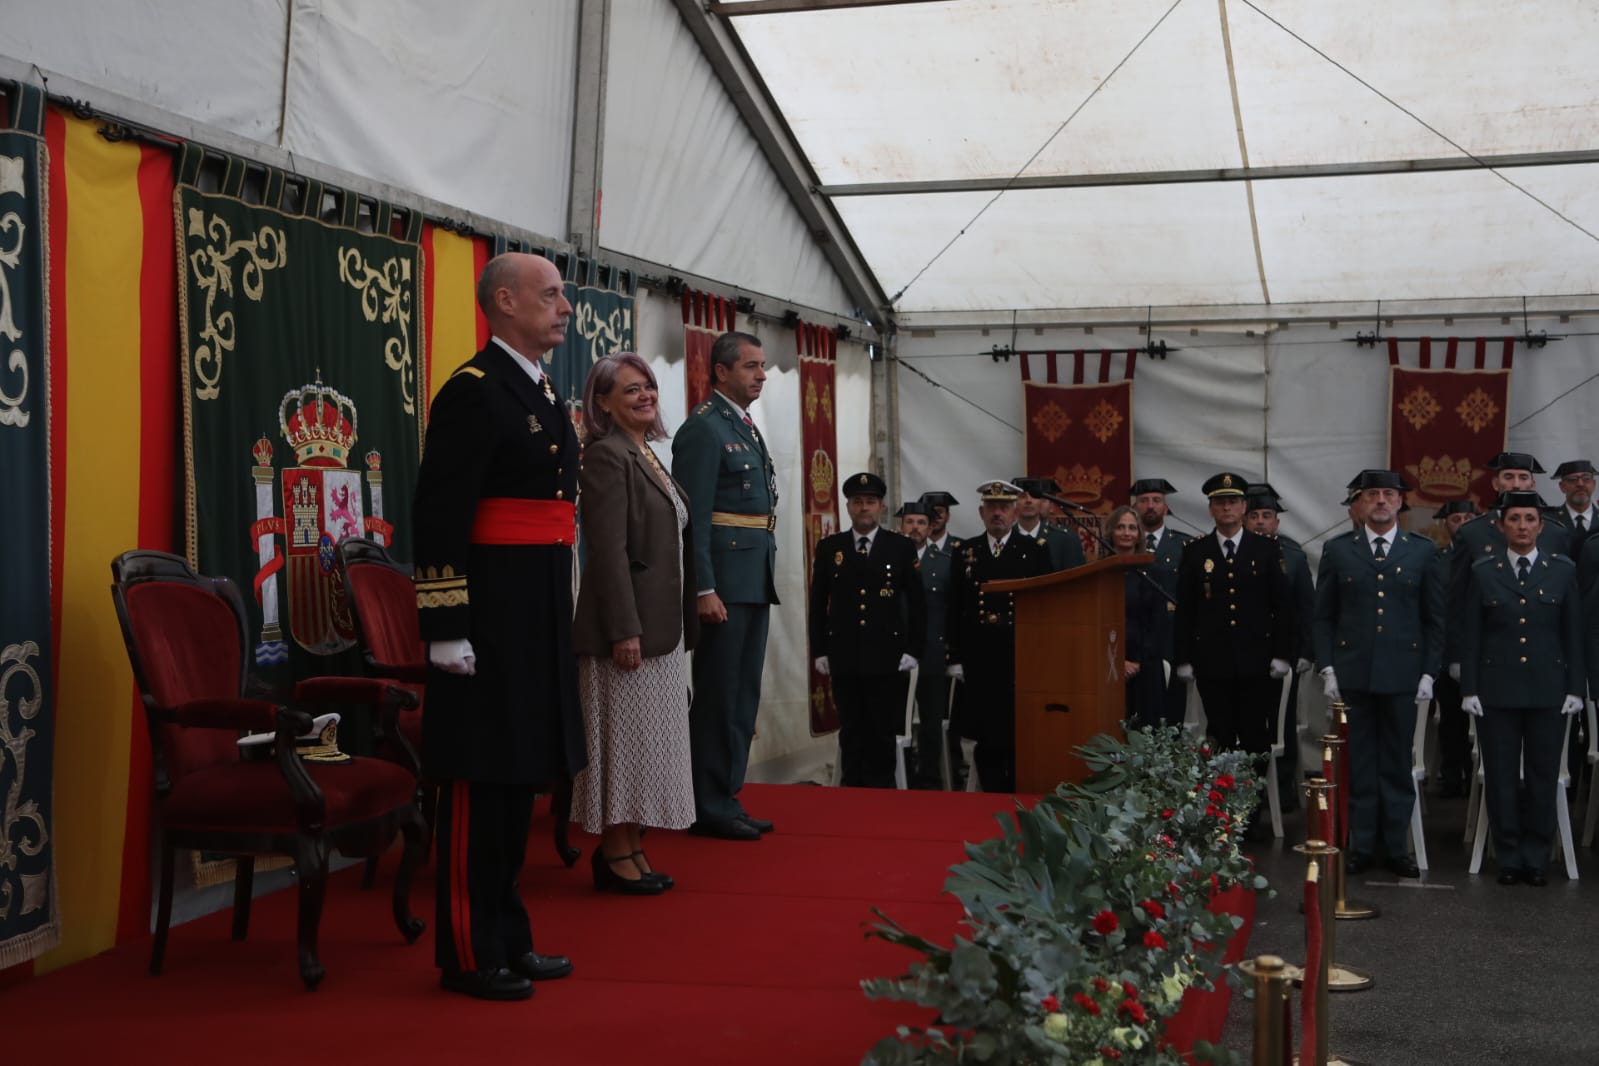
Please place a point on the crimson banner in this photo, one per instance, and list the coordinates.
(705, 317)
(1444, 424)
(1078, 429)
(818, 355)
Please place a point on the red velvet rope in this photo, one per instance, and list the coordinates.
(1343, 788)
(1307, 995)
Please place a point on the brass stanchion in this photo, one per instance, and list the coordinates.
(1274, 1034)
(1323, 857)
(1332, 754)
(1340, 978)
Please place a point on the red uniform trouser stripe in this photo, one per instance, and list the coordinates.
(460, 883)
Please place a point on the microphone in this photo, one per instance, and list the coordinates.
(1069, 505)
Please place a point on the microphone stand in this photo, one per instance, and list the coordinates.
(1108, 546)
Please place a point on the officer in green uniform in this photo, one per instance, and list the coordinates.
(1521, 662)
(1263, 508)
(1379, 641)
(938, 502)
(932, 687)
(1063, 546)
(1454, 738)
(1166, 544)
(720, 459)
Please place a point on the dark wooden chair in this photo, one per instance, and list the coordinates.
(383, 604)
(188, 642)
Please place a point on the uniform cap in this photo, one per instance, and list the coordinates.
(1515, 461)
(938, 498)
(1224, 484)
(1151, 484)
(1519, 498)
(865, 484)
(1038, 486)
(1261, 496)
(1574, 466)
(914, 507)
(998, 491)
(1378, 479)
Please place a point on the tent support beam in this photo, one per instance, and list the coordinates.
(748, 93)
(1182, 177)
(786, 7)
(588, 129)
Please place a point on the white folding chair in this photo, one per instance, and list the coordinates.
(1563, 844)
(969, 753)
(946, 771)
(1593, 777)
(1277, 749)
(1418, 774)
(1474, 793)
(1194, 719)
(902, 743)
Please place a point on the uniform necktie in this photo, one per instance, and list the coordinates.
(1149, 542)
(1379, 548)
(863, 546)
(1228, 545)
(748, 421)
(1523, 568)
(1582, 523)
(996, 547)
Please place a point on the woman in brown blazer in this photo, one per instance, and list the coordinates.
(636, 620)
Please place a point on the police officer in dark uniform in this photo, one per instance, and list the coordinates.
(982, 635)
(1235, 623)
(1166, 544)
(1063, 546)
(938, 502)
(1454, 738)
(494, 526)
(868, 617)
(1521, 661)
(1263, 516)
(1379, 642)
(1576, 480)
(932, 687)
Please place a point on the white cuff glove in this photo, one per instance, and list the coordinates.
(954, 670)
(1302, 666)
(1329, 684)
(1454, 671)
(1280, 669)
(1471, 705)
(453, 656)
(1424, 689)
(821, 665)
(906, 662)
(1573, 705)
(1185, 672)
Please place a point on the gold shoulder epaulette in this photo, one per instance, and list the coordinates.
(472, 370)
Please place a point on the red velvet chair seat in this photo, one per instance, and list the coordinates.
(249, 797)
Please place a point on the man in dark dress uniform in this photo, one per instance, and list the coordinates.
(720, 459)
(1576, 480)
(868, 618)
(1379, 641)
(1062, 545)
(932, 687)
(494, 527)
(1235, 623)
(1454, 735)
(982, 635)
(938, 503)
(1166, 544)
(1521, 660)
(1264, 508)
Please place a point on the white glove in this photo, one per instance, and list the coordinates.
(1302, 666)
(1329, 684)
(1471, 705)
(1280, 669)
(1573, 705)
(1424, 689)
(821, 665)
(1185, 672)
(906, 662)
(1454, 671)
(453, 656)
(954, 670)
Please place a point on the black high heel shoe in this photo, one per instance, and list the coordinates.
(608, 880)
(664, 880)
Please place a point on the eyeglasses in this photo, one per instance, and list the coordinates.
(1577, 479)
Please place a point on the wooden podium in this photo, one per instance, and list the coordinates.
(1070, 643)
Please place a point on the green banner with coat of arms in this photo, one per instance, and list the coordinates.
(304, 381)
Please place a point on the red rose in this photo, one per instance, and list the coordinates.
(1050, 1004)
(1223, 817)
(1109, 1053)
(1205, 750)
(1225, 781)
(1171, 887)
(1134, 1010)
(1167, 813)
(1132, 993)
(1154, 940)
(1105, 923)
(1153, 909)
(1215, 884)
(1087, 1004)
(1101, 985)
(1215, 796)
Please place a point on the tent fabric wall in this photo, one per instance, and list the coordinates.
(1298, 406)
(783, 729)
(685, 182)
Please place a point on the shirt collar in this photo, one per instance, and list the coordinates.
(1001, 541)
(1035, 532)
(529, 367)
(871, 538)
(1531, 557)
(1156, 533)
(1236, 538)
(1586, 516)
(1371, 535)
(742, 412)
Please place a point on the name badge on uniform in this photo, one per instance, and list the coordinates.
(838, 558)
(533, 425)
(1210, 565)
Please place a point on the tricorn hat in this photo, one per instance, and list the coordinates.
(1151, 484)
(938, 498)
(1520, 498)
(1260, 496)
(1038, 487)
(914, 507)
(1574, 466)
(1378, 479)
(1456, 507)
(1515, 461)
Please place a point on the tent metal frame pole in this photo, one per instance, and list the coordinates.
(1190, 177)
(588, 137)
(789, 7)
(755, 105)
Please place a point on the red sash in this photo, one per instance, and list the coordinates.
(507, 520)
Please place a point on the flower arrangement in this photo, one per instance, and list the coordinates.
(1088, 916)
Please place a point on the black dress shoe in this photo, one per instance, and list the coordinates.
(486, 984)
(731, 830)
(542, 967)
(1357, 863)
(760, 825)
(664, 880)
(1509, 875)
(1535, 878)
(1404, 866)
(608, 880)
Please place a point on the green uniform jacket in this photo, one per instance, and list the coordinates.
(1379, 625)
(1303, 592)
(722, 463)
(1063, 547)
(1478, 538)
(1521, 645)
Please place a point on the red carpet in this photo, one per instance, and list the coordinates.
(755, 957)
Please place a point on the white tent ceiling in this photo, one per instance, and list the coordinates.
(973, 90)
